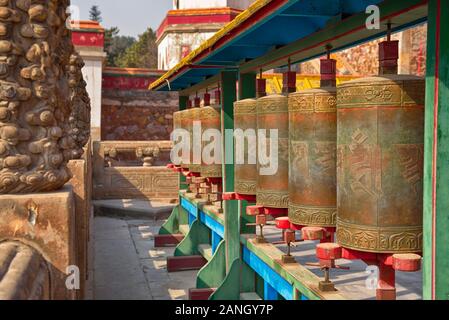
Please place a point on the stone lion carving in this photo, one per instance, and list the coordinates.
(44, 106)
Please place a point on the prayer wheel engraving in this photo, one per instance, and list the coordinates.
(272, 189)
(380, 164)
(210, 117)
(312, 165)
(245, 119)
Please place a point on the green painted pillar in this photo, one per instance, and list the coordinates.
(228, 81)
(436, 156)
(247, 86)
(183, 100)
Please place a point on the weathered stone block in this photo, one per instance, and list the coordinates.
(155, 183)
(83, 208)
(24, 273)
(46, 223)
(117, 177)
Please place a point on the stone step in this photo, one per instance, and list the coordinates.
(134, 208)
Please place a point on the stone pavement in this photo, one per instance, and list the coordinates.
(128, 267)
(133, 208)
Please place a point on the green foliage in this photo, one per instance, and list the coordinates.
(141, 54)
(115, 45)
(125, 51)
(95, 14)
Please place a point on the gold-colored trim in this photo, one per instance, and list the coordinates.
(379, 239)
(400, 92)
(313, 101)
(312, 216)
(244, 107)
(273, 199)
(211, 171)
(272, 104)
(246, 187)
(210, 113)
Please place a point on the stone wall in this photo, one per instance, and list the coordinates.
(130, 112)
(130, 170)
(30, 219)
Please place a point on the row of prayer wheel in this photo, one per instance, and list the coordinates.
(349, 157)
(210, 118)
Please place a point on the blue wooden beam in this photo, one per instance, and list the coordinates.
(312, 8)
(212, 224)
(225, 63)
(269, 293)
(251, 45)
(271, 277)
(191, 210)
(300, 15)
(356, 6)
(215, 241)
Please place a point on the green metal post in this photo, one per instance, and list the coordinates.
(247, 86)
(436, 155)
(228, 81)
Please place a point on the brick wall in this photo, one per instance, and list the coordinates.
(131, 112)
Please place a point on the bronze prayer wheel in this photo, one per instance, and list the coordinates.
(272, 189)
(186, 124)
(177, 116)
(210, 119)
(380, 164)
(195, 166)
(312, 165)
(245, 119)
(177, 120)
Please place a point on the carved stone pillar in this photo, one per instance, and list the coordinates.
(44, 107)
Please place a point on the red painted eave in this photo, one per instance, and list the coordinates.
(197, 16)
(86, 25)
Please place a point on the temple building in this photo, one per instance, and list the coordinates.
(189, 24)
(88, 39)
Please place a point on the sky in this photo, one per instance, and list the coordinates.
(132, 17)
